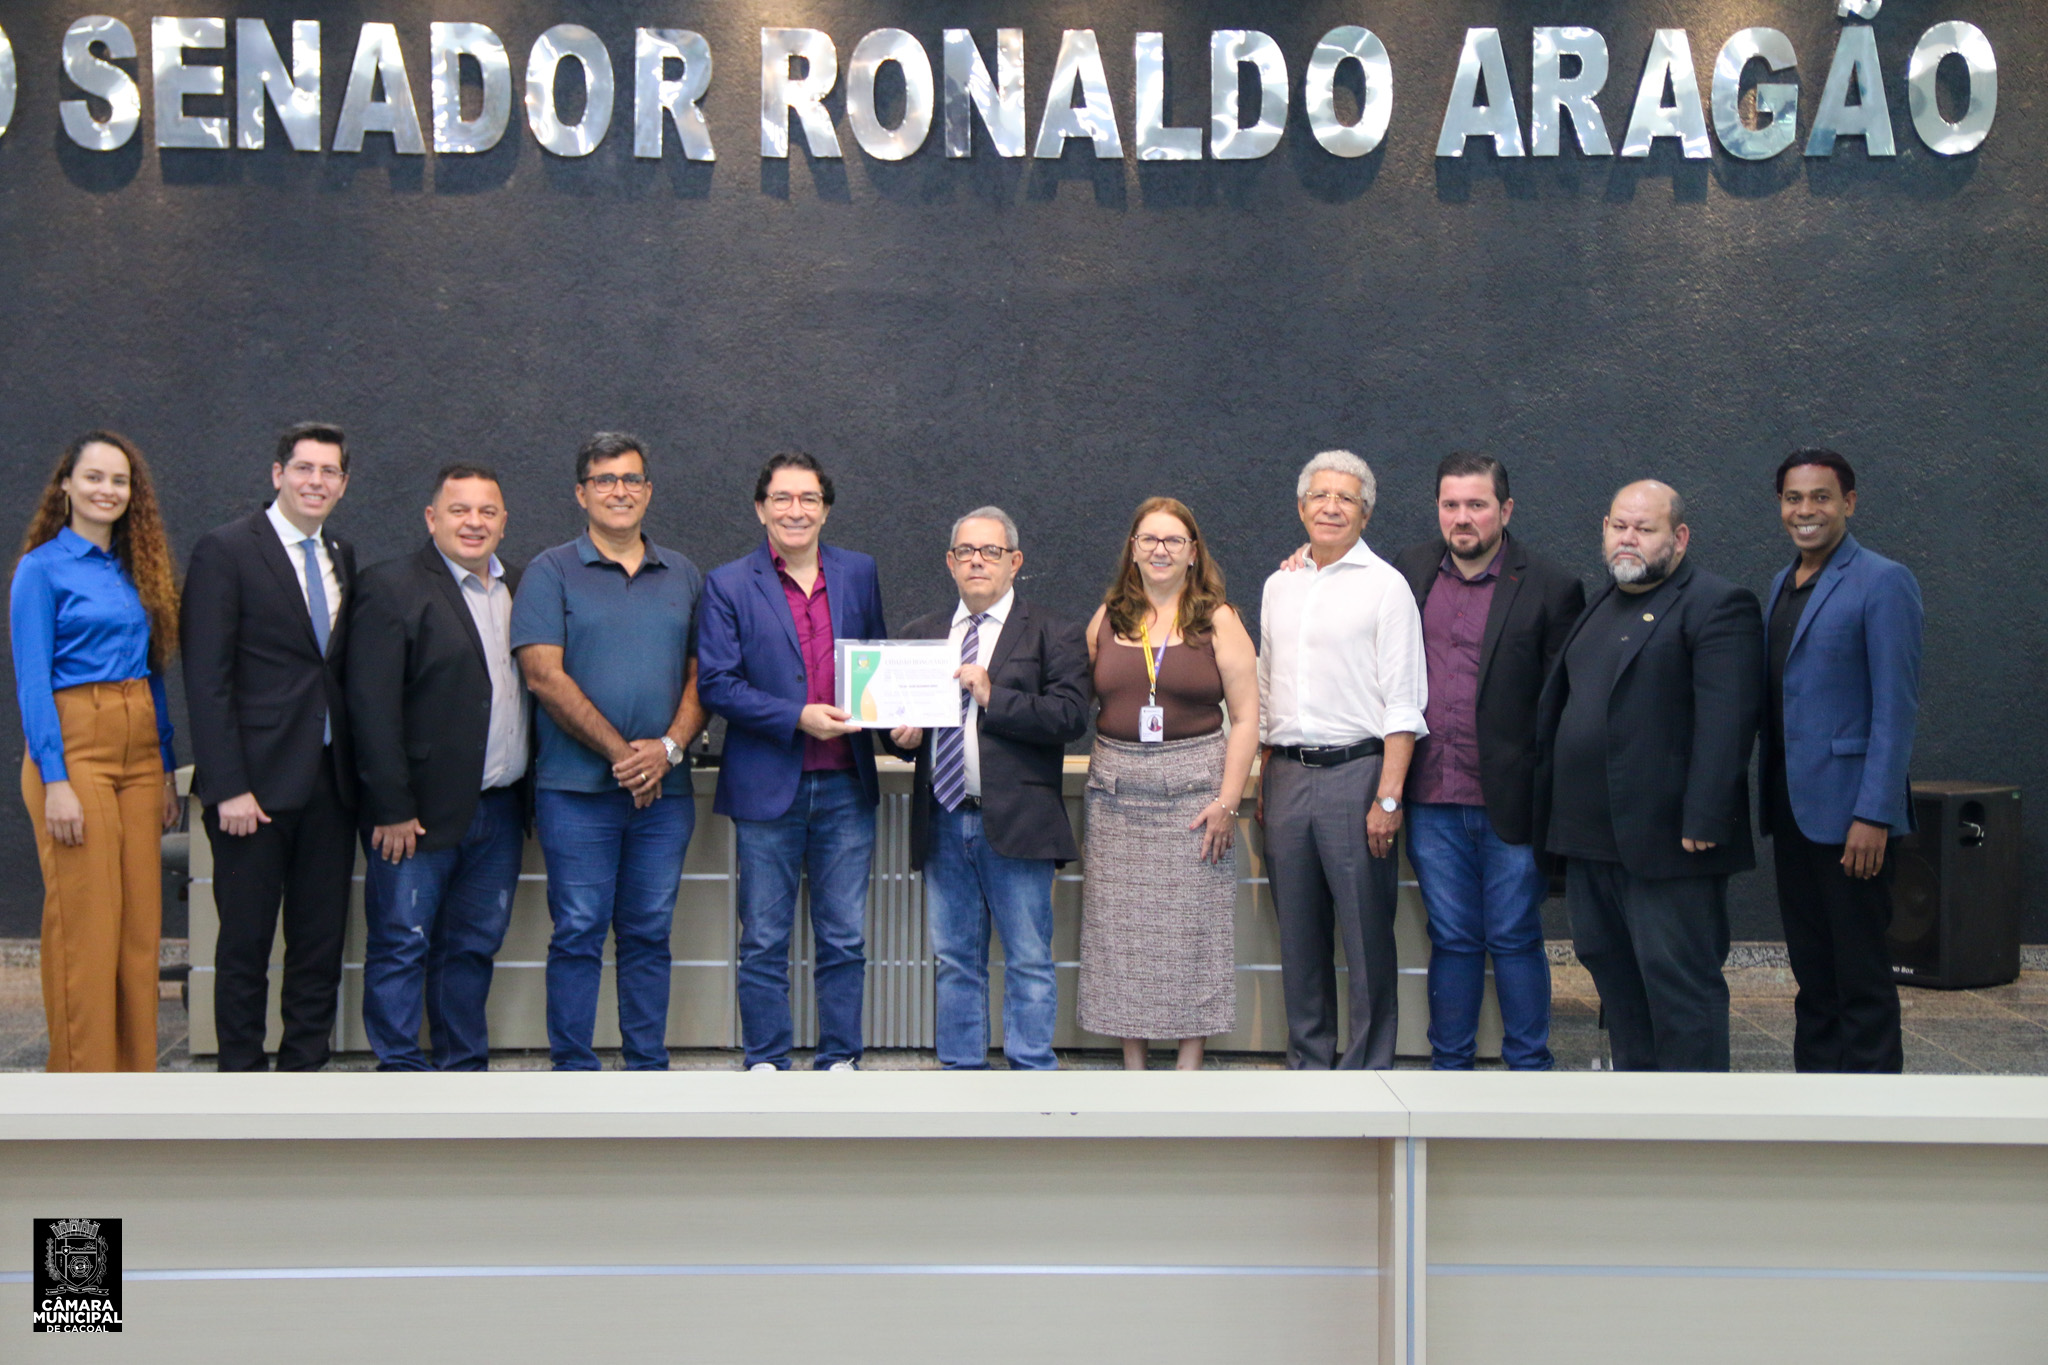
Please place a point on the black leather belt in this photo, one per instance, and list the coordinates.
(1329, 755)
(969, 803)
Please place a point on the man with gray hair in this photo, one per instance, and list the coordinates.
(1343, 683)
(988, 822)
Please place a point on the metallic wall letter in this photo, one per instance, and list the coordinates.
(1079, 63)
(378, 56)
(7, 82)
(1777, 102)
(1465, 116)
(1871, 117)
(1670, 60)
(1553, 94)
(449, 44)
(1858, 9)
(294, 92)
(1156, 141)
(100, 77)
(968, 88)
(870, 55)
(1952, 39)
(1349, 43)
(654, 94)
(780, 94)
(173, 80)
(1230, 49)
(576, 43)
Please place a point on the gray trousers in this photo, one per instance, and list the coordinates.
(1654, 947)
(1325, 883)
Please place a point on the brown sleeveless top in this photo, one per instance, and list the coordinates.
(1190, 688)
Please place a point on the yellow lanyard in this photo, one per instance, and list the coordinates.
(1153, 665)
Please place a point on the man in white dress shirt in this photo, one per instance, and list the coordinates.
(1342, 685)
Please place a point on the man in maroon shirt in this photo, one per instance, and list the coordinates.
(798, 777)
(1494, 616)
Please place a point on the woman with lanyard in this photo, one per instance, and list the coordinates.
(1159, 901)
(94, 619)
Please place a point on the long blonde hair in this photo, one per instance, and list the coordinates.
(1126, 601)
(139, 541)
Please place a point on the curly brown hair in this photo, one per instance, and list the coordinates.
(139, 540)
(1199, 598)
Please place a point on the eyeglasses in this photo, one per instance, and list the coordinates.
(1324, 496)
(993, 554)
(605, 483)
(782, 502)
(1171, 544)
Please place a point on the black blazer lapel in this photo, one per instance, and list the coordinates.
(1638, 638)
(1013, 631)
(1505, 589)
(435, 569)
(272, 552)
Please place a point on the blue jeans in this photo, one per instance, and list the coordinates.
(829, 833)
(435, 922)
(1484, 896)
(614, 868)
(967, 884)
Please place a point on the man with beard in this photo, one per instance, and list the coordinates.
(1494, 616)
(1645, 728)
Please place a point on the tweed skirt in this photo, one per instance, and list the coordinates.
(1158, 925)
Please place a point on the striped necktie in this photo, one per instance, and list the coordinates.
(949, 747)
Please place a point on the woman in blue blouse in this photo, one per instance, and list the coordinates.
(94, 620)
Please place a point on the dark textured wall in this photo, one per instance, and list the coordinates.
(1066, 338)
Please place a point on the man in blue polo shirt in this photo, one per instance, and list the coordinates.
(605, 629)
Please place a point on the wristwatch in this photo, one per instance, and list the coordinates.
(1390, 804)
(674, 751)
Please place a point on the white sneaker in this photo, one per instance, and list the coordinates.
(764, 1066)
(842, 1066)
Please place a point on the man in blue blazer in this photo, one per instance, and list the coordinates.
(1844, 680)
(798, 777)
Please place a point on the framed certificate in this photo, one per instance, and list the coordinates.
(886, 683)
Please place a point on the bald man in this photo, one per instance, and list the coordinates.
(1645, 730)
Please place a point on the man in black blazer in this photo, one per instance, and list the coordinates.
(442, 746)
(1494, 617)
(265, 627)
(1643, 784)
(988, 822)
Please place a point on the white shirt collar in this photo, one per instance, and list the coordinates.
(495, 569)
(999, 613)
(1360, 553)
(291, 535)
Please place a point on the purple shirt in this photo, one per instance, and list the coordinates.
(1453, 627)
(812, 613)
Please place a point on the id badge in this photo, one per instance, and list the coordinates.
(1151, 724)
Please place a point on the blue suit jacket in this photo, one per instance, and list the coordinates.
(1852, 696)
(751, 671)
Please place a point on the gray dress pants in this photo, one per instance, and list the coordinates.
(1325, 883)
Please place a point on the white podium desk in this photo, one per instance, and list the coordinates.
(901, 1218)
(702, 1005)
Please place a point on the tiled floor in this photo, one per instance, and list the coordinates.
(2002, 1030)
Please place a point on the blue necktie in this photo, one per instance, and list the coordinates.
(949, 747)
(316, 602)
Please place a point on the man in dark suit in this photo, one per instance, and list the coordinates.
(265, 630)
(1844, 689)
(441, 747)
(1494, 617)
(1646, 727)
(798, 776)
(988, 820)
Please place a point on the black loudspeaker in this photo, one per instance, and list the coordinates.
(1956, 889)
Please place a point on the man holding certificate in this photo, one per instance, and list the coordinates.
(988, 823)
(798, 776)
